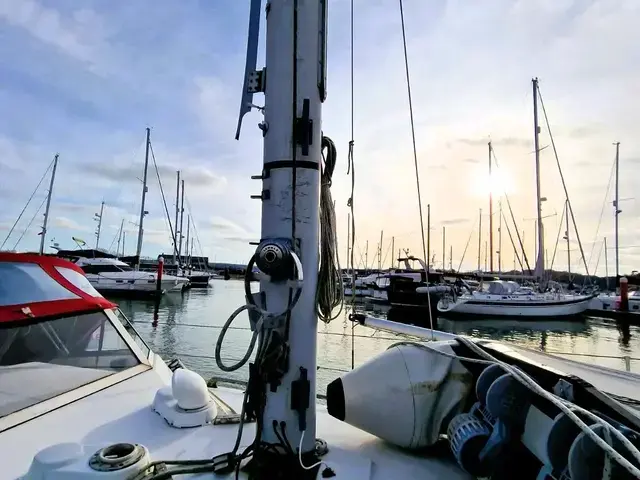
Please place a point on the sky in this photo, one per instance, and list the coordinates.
(86, 79)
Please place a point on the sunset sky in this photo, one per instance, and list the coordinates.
(85, 79)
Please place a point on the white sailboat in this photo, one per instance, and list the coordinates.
(83, 397)
(507, 299)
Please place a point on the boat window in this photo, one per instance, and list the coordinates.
(40, 361)
(28, 283)
(78, 280)
(104, 268)
(132, 331)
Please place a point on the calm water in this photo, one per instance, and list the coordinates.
(189, 325)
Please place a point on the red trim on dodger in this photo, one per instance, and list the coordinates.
(50, 308)
(85, 302)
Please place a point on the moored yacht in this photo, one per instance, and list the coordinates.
(507, 299)
(110, 276)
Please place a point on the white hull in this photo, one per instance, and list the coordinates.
(360, 292)
(610, 302)
(562, 306)
(144, 284)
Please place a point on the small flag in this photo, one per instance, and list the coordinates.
(79, 241)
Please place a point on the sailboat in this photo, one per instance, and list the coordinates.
(83, 396)
(507, 298)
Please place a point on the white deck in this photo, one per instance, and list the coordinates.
(122, 413)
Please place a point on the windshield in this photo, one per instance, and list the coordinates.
(46, 359)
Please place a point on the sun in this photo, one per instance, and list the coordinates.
(496, 184)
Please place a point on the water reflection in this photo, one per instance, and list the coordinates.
(189, 325)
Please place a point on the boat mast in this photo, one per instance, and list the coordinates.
(444, 260)
(380, 251)
(606, 264)
(479, 239)
(616, 205)
(176, 233)
(428, 259)
(120, 236)
(393, 246)
(539, 272)
(99, 218)
(181, 220)
(490, 213)
(567, 238)
(295, 65)
(186, 245)
(143, 212)
(366, 257)
(43, 233)
(500, 237)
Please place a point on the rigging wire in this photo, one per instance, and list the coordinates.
(515, 250)
(195, 231)
(466, 246)
(513, 219)
(564, 185)
(351, 169)
(415, 157)
(164, 201)
(30, 222)
(26, 205)
(604, 203)
(413, 130)
(555, 249)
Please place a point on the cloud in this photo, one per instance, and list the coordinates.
(197, 176)
(80, 35)
(67, 223)
(455, 221)
(505, 142)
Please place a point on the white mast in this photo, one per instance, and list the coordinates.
(143, 212)
(292, 140)
(616, 205)
(500, 238)
(181, 219)
(43, 233)
(175, 230)
(539, 271)
(479, 238)
(490, 214)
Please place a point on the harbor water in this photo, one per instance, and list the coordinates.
(189, 325)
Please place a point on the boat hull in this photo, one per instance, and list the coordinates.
(521, 309)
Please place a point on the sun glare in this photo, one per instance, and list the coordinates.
(498, 183)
